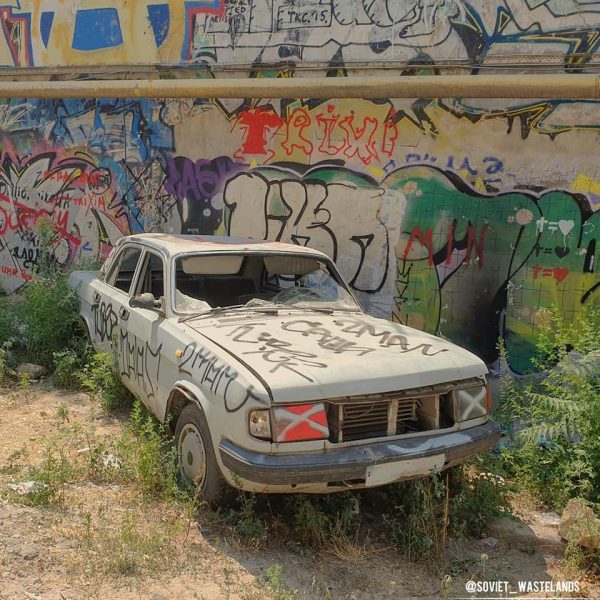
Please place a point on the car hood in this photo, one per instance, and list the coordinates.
(302, 356)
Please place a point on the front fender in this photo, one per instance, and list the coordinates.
(188, 390)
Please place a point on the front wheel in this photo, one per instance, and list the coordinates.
(196, 458)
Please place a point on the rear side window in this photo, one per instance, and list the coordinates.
(121, 274)
(152, 276)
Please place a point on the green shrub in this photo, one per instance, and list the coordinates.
(310, 522)
(556, 452)
(247, 521)
(419, 515)
(477, 496)
(48, 314)
(415, 514)
(70, 363)
(3, 366)
(43, 319)
(275, 582)
(8, 319)
(99, 378)
(313, 518)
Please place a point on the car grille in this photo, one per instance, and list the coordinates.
(392, 413)
(366, 418)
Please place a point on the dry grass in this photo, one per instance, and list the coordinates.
(132, 542)
(351, 549)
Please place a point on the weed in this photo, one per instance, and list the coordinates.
(478, 496)
(129, 544)
(95, 467)
(47, 235)
(310, 522)
(419, 515)
(44, 319)
(12, 466)
(70, 363)
(579, 560)
(416, 516)
(62, 412)
(46, 482)
(3, 366)
(348, 547)
(100, 380)
(24, 381)
(315, 517)
(7, 319)
(251, 529)
(511, 405)
(447, 586)
(273, 578)
(148, 456)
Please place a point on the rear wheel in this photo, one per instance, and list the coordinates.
(196, 458)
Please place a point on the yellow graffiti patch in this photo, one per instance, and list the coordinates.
(586, 184)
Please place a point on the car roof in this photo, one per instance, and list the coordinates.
(172, 244)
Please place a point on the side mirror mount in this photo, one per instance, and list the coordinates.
(147, 301)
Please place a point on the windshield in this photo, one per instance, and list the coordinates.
(255, 281)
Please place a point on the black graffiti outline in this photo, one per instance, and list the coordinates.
(134, 358)
(387, 339)
(105, 320)
(326, 339)
(276, 351)
(215, 372)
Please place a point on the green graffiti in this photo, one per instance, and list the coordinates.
(474, 267)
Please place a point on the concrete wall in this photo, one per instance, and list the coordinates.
(45, 33)
(463, 217)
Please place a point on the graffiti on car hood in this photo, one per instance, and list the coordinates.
(306, 356)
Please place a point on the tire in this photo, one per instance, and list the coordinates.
(196, 457)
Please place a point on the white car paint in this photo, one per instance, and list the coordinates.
(234, 362)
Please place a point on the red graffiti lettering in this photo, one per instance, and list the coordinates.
(359, 140)
(557, 273)
(10, 271)
(390, 135)
(473, 243)
(256, 123)
(329, 122)
(294, 138)
(425, 239)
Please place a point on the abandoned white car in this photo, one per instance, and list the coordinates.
(273, 379)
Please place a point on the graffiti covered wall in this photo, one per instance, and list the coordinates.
(46, 33)
(462, 217)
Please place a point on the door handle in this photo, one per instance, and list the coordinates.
(124, 313)
(96, 298)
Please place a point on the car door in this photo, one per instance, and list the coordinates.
(141, 340)
(110, 296)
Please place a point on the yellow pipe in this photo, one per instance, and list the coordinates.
(426, 86)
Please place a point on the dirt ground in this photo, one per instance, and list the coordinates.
(79, 548)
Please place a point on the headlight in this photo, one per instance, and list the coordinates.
(300, 422)
(260, 424)
(471, 403)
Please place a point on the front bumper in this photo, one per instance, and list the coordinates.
(350, 464)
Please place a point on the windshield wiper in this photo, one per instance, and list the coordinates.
(320, 309)
(221, 309)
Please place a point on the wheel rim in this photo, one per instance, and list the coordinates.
(192, 455)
